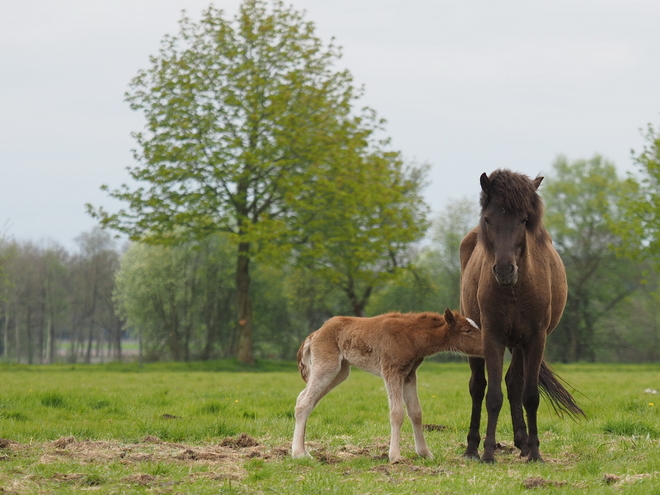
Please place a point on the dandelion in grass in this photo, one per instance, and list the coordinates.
(651, 404)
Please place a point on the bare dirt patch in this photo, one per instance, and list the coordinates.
(224, 460)
(538, 482)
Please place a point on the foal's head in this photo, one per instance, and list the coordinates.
(510, 209)
(462, 334)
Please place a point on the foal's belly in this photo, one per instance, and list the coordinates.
(365, 361)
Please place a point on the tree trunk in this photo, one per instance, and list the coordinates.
(51, 341)
(28, 327)
(5, 337)
(43, 331)
(17, 336)
(357, 304)
(117, 339)
(244, 352)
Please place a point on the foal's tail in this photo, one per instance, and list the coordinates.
(305, 358)
(552, 389)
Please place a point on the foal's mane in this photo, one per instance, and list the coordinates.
(517, 193)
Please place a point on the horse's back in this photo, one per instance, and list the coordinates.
(558, 285)
(471, 260)
(467, 246)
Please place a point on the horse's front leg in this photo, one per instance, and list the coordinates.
(494, 356)
(477, 391)
(514, 385)
(533, 358)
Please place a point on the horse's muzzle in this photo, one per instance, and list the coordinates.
(506, 274)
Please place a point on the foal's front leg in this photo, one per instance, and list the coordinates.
(415, 414)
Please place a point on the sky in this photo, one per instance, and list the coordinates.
(465, 86)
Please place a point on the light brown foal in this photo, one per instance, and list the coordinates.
(391, 346)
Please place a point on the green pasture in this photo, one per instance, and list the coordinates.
(219, 428)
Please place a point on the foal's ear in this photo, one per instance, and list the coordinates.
(485, 183)
(537, 181)
(449, 317)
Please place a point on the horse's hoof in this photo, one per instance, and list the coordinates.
(536, 459)
(488, 459)
(472, 456)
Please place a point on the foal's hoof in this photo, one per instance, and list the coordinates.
(301, 455)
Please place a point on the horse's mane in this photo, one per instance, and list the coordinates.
(517, 193)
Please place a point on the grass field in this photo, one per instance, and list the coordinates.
(216, 428)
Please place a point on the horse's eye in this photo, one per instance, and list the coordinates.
(486, 220)
(525, 221)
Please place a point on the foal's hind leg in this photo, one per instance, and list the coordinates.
(322, 380)
(411, 399)
(514, 385)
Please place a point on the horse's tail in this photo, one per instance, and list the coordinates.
(560, 399)
(305, 358)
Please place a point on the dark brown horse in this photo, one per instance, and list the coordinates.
(513, 285)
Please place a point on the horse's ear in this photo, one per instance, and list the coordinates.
(485, 183)
(449, 317)
(537, 181)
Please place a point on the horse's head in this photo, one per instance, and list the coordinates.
(510, 209)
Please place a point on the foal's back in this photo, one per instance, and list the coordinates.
(372, 343)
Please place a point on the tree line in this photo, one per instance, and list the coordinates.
(57, 305)
(180, 299)
(265, 198)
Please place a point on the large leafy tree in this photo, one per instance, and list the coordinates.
(580, 196)
(639, 220)
(357, 226)
(241, 116)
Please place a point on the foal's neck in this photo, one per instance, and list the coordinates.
(434, 340)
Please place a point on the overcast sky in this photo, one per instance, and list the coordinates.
(467, 86)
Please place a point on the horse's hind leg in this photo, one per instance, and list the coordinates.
(411, 399)
(477, 391)
(322, 379)
(514, 385)
(531, 399)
